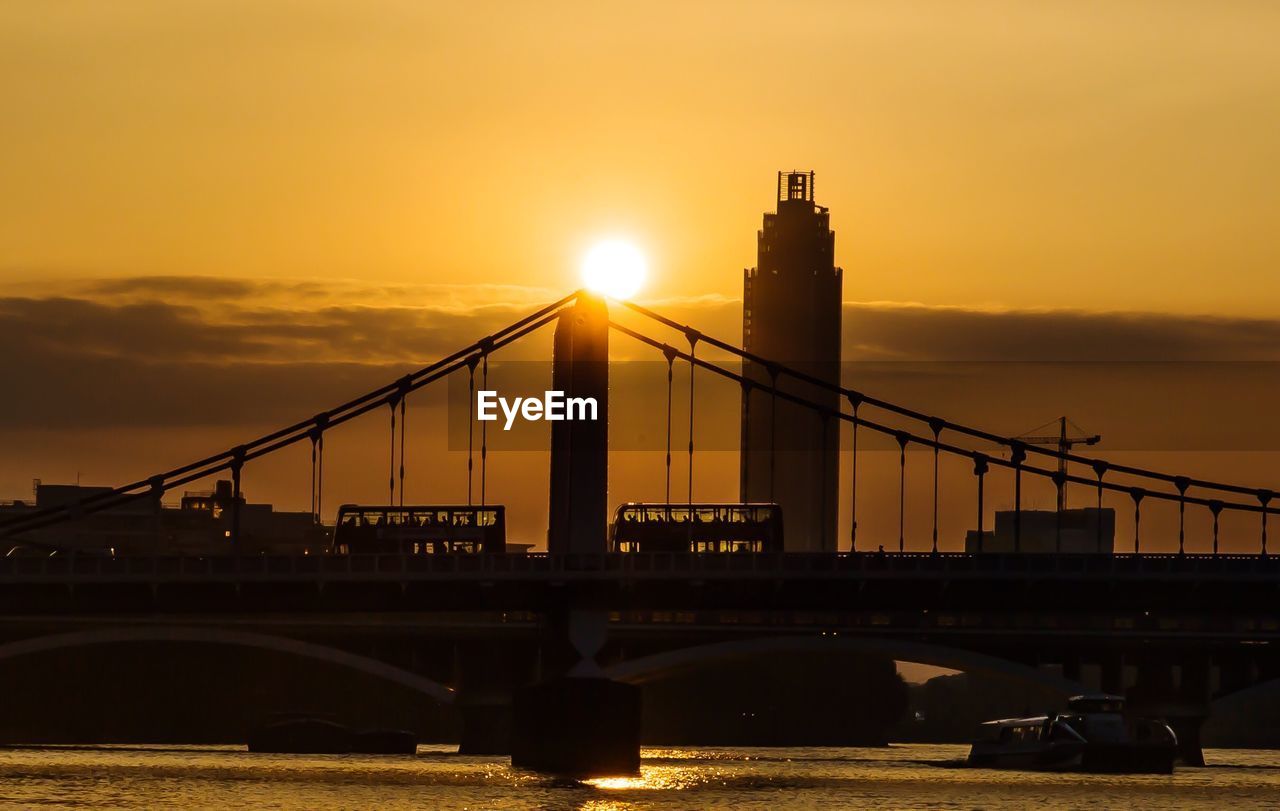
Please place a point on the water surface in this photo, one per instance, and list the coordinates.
(899, 777)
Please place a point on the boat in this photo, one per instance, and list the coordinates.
(1093, 735)
(301, 735)
(384, 742)
(311, 735)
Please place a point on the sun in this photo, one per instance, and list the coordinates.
(614, 268)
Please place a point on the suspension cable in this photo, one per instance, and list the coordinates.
(945, 447)
(745, 450)
(670, 354)
(484, 435)
(1100, 470)
(313, 478)
(403, 420)
(1264, 498)
(391, 476)
(320, 478)
(903, 439)
(471, 423)
(936, 425)
(853, 494)
(1137, 494)
(974, 433)
(1215, 508)
(826, 426)
(1182, 484)
(1018, 455)
(284, 437)
(237, 464)
(773, 431)
(980, 464)
(693, 336)
(1059, 478)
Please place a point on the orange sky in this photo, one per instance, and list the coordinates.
(1063, 154)
(365, 186)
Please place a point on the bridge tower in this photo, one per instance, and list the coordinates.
(578, 519)
(576, 721)
(791, 315)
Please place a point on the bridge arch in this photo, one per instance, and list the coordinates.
(649, 668)
(222, 636)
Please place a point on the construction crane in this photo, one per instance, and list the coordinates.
(1065, 443)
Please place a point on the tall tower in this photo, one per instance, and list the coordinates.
(791, 316)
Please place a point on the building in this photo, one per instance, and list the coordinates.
(199, 525)
(791, 315)
(1089, 530)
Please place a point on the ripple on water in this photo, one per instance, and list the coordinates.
(713, 778)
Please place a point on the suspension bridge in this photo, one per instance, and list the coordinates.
(1174, 630)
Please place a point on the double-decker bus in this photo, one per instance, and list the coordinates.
(431, 530)
(710, 528)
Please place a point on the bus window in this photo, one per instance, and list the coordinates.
(419, 530)
(697, 528)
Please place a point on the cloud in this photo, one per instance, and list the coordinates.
(184, 286)
(199, 351)
(217, 291)
(916, 332)
(242, 330)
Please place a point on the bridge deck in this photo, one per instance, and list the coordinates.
(1216, 589)
(665, 566)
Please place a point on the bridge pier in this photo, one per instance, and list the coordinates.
(1111, 675)
(1071, 667)
(1187, 728)
(486, 725)
(578, 722)
(487, 677)
(581, 723)
(578, 726)
(1185, 707)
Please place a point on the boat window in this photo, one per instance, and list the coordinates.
(1020, 734)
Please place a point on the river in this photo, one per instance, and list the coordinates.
(914, 776)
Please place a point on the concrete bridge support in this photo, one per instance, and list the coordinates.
(1193, 689)
(1111, 675)
(1184, 705)
(578, 722)
(487, 677)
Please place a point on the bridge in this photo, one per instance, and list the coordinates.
(557, 636)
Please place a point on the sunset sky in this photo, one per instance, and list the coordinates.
(302, 199)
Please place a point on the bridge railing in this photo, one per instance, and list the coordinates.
(644, 565)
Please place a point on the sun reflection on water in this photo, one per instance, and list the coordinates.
(660, 778)
(614, 783)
